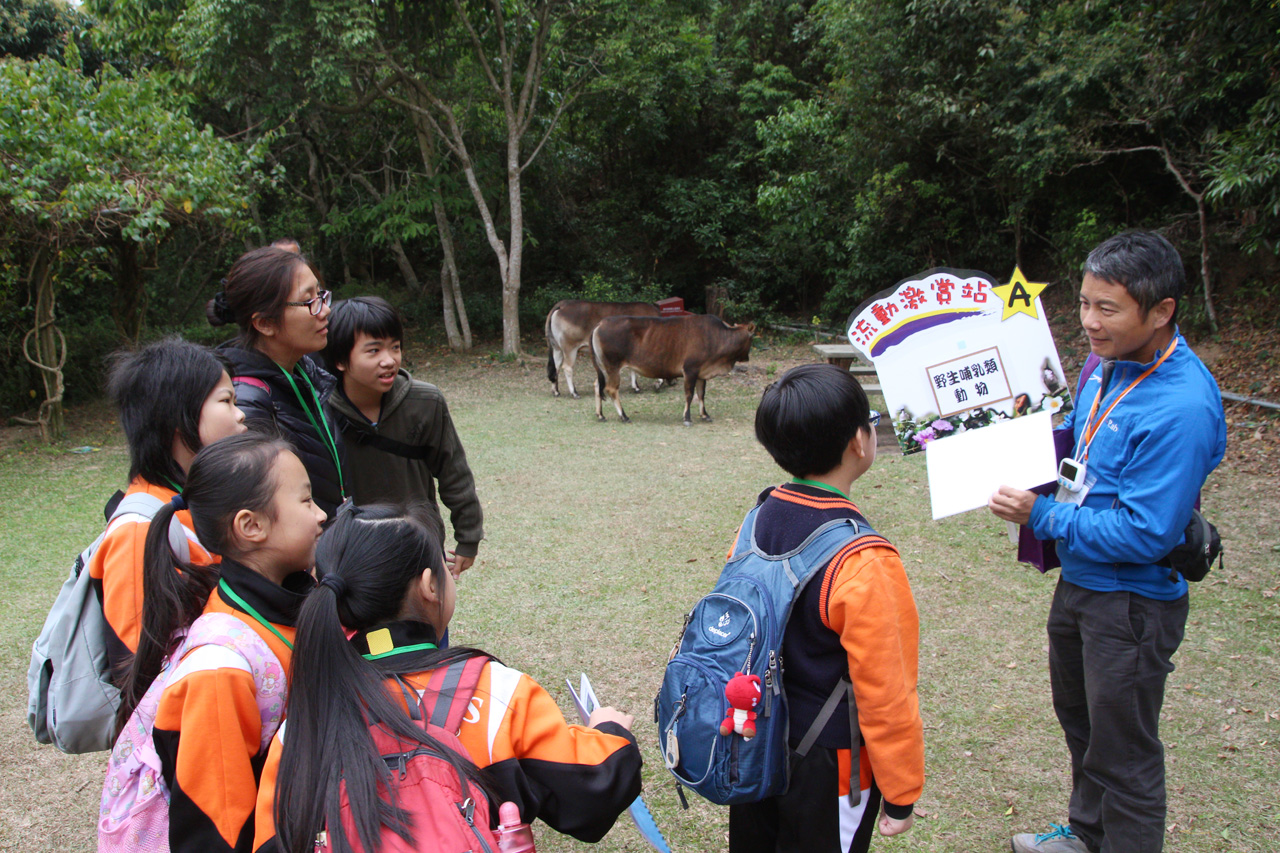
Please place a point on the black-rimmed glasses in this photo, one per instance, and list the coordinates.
(316, 304)
(874, 418)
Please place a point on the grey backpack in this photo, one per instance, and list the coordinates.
(71, 698)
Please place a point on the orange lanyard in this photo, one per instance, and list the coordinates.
(1091, 426)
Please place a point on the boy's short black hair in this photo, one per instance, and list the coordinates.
(368, 315)
(807, 418)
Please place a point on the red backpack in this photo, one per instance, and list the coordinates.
(447, 813)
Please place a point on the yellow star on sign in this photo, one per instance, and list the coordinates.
(1019, 295)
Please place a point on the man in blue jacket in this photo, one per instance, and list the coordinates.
(1149, 428)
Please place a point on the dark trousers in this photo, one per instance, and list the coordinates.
(1109, 656)
(806, 819)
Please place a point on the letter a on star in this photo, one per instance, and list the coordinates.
(1019, 295)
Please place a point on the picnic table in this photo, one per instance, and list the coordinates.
(845, 356)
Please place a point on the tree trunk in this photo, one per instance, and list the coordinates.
(1017, 239)
(407, 271)
(51, 351)
(455, 311)
(1203, 216)
(515, 251)
(459, 306)
(130, 291)
(450, 317)
(1204, 264)
(319, 198)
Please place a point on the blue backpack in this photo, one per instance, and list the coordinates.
(738, 627)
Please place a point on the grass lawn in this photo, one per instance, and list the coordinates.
(601, 536)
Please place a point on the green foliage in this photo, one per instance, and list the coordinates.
(90, 164)
(1246, 165)
(108, 155)
(797, 155)
(31, 29)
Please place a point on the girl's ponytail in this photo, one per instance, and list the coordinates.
(327, 729)
(175, 592)
(366, 561)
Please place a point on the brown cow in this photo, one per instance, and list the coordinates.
(697, 347)
(569, 326)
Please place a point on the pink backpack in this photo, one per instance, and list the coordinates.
(449, 815)
(134, 815)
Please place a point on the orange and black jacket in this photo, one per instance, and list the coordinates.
(857, 618)
(208, 729)
(577, 780)
(116, 570)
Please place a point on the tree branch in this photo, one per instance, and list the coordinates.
(479, 47)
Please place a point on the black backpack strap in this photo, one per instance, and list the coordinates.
(363, 437)
(843, 687)
(411, 699)
(855, 751)
(109, 509)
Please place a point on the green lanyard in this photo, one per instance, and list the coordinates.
(176, 487)
(803, 482)
(420, 647)
(248, 608)
(324, 432)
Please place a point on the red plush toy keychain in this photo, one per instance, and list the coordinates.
(743, 693)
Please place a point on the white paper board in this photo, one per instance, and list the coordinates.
(965, 469)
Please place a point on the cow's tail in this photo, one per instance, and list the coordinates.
(551, 350)
(595, 359)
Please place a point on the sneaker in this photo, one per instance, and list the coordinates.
(1058, 839)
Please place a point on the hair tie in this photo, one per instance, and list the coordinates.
(220, 306)
(178, 502)
(335, 583)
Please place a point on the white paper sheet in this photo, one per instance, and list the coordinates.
(584, 698)
(965, 469)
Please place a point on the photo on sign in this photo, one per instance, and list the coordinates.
(955, 351)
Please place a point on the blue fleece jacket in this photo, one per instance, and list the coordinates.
(1150, 457)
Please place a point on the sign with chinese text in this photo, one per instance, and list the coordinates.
(956, 351)
(969, 382)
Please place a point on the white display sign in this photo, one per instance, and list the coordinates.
(955, 352)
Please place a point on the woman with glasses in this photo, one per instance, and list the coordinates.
(278, 300)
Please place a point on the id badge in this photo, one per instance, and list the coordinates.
(1064, 495)
(1077, 495)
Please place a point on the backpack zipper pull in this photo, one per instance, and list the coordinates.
(468, 809)
(400, 765)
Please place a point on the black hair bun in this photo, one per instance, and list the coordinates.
(218, 311)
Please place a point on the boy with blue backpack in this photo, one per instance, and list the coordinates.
(811, 590)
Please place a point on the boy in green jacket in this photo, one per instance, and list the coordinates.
(401, 443)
